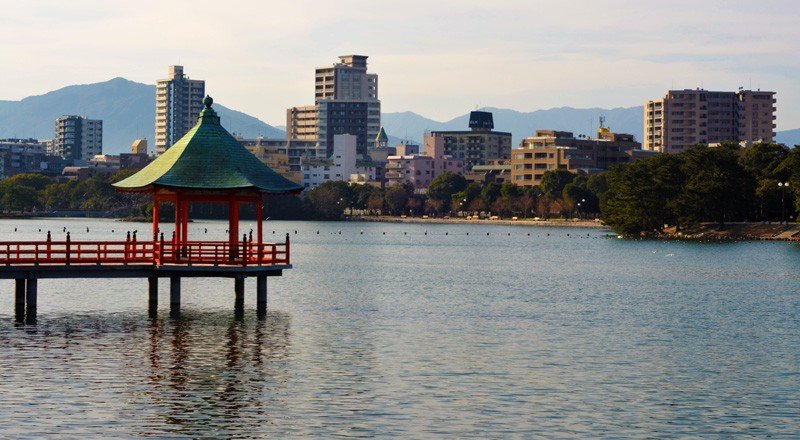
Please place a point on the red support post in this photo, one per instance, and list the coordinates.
(233, 228)
(260, 234)
(185, 221)
(155, 216)
(178, 218)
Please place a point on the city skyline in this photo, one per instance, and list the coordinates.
(518, 55)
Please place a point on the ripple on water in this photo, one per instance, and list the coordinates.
(414, 335)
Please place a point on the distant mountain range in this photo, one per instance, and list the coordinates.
(127, 109)
(788, 137)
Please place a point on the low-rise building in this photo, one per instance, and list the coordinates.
(480, 145)
(22, 156)
(561, 150)
(274, 155)
(497, 171)
(420, 169)
(105, 163)
(296, 151)
(138, 157)
(343, 165)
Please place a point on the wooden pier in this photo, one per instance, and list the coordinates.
(207, 165)
(26, 262)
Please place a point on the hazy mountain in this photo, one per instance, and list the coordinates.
(127, 109)
(788, 137)
(409, 125)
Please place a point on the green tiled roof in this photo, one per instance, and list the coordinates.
(209, 158)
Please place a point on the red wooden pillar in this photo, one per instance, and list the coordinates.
(155, 215)
(260, 220)
(185, 221)
(178, 217)
(233, 228)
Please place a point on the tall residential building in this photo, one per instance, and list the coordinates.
(560, 150)
(345, 102)
(78, 138)
(683, 118)
(480, 145)
(178, 104)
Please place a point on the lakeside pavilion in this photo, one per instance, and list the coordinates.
(207, 165)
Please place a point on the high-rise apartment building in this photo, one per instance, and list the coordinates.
(480, 145)
(178, 104)
(683, 118)
(78, 138)
(345, 102)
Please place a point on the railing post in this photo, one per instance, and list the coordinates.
(174, 247)
(127, 246)
(49, 246)
(135, 253)
(286, 257)
(244, 249)
(161, 250)
(66, 250)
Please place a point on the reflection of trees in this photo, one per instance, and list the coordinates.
(207, 371)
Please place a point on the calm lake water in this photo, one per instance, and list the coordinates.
(563, 332)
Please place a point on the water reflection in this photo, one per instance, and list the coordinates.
(206, 369)
(202, 374)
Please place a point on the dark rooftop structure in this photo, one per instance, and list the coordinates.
(481, 121)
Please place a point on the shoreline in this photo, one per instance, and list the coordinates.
(736, 232)
(462, 221)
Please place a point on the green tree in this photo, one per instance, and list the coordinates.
(490, 193)
(554, 181)
(641, 196)
(716, 188)
(444, 185)
(329, 200)
(761, 160)
(19, 198)
(396, 199)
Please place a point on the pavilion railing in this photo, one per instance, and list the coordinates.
(159, 252)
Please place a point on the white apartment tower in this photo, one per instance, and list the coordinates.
(178, 104)
(78, 138)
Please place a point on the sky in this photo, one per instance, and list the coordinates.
(438, 58)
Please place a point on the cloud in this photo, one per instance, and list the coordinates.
(438, 58)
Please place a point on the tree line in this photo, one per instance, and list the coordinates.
(719, 184)
(701, 184)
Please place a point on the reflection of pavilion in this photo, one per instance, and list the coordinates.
(222, 369)
(206, 165)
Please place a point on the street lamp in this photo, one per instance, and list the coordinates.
(783, 186)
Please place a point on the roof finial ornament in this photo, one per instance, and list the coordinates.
(207, 101)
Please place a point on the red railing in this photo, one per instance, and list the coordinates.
(216, 253)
